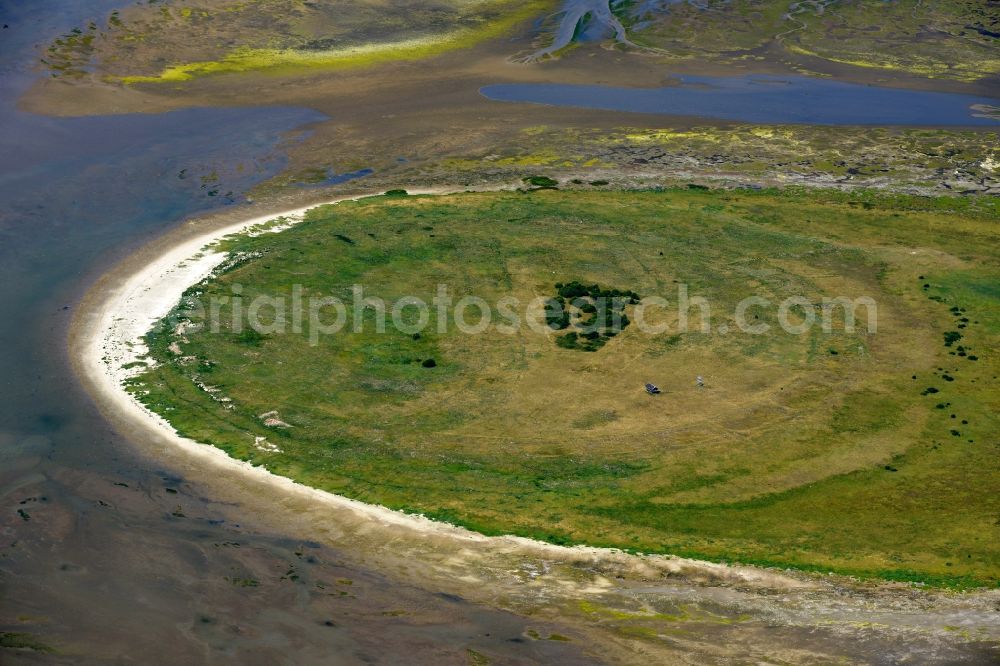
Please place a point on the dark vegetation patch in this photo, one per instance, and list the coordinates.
(595, 313)
(24, 641)
(541, 182)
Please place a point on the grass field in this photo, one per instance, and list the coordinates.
(872, 453)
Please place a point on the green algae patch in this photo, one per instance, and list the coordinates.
(928, 66)
(249, 59)
(953, 39)
(24, 641)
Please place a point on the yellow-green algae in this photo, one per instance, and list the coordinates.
(904, 159)
(246, 59)
(922, 66)
(934, 39)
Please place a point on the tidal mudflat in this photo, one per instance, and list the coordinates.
(201, 541)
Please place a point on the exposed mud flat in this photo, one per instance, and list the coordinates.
(112, 551)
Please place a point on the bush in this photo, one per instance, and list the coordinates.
(429, 363)
(558, 322)
(541, 181)
(567, 341)
(250, 337)
(596, 322)
(556, 318)
(573, 290)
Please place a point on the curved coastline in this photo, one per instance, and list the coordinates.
(509, 572)
(125, 303)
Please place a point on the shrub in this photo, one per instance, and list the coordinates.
(543, 182)
(573, 290)
(250, 337)
(567, 341)
(599, 316)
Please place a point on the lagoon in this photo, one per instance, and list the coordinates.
(768, 99)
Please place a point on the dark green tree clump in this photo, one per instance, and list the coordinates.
(541, 182)
(556, 315)
(599, 314)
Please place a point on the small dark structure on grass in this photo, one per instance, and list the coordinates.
(653, 389)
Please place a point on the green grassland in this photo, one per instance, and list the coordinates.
(826, 450)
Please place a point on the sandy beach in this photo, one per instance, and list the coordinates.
(109, 338)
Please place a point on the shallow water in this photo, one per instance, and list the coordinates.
(583, 20)
(105, 554)
(766, 99)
